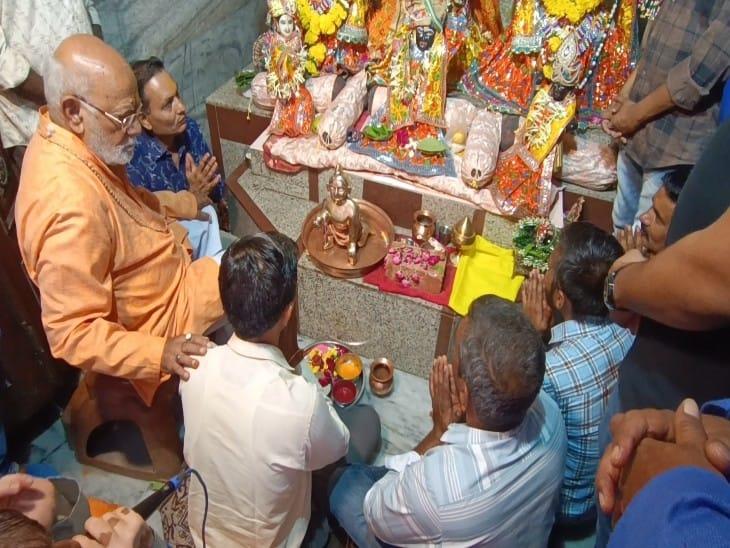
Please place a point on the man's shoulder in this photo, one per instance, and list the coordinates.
(583, 341)
(546, 413)
(235, 370)
(193, 128)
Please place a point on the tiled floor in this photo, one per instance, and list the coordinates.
(51, 448)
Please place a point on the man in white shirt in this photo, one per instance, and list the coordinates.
(491, 481)
(254, 429)
(30, 31)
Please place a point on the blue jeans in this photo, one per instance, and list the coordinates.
(636, 188)
(346, 502)
(603, 521)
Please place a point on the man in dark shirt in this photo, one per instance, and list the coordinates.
(171, 154)
(667, 365)
(669, 109)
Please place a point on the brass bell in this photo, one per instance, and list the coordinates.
(463, 236)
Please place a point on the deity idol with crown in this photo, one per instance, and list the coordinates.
(410, 97)
(521, 182)
(508, 72)
(294, 108)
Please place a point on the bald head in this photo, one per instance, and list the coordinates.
(85, 66)
(90, 89)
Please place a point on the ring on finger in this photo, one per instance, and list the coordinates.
(188, 336)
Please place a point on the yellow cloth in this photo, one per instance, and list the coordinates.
(487, 270)
(112, 267)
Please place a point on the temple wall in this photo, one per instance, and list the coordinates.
(202, 42)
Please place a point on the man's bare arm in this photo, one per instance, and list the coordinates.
(32, 88)
(687, 285)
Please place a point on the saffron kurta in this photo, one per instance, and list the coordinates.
(112, 266)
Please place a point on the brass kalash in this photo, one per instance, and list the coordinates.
(344, 236)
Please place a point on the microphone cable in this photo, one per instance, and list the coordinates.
(149, 505)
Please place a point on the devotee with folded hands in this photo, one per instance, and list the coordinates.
(493, 479)
(171, 153)
(682, 296)
(120, 295)
(651, 237)
(584, 352)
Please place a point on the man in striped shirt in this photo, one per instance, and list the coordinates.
(493, 480)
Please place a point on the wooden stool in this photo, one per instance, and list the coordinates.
(101, 400)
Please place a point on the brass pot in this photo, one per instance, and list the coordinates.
(424, 226)
(381, 377)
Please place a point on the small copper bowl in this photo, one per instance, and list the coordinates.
(344, 392)
(424, 226)
(381, 377)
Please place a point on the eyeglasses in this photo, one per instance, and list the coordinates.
(124, 124)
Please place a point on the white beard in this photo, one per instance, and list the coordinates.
(111, 155)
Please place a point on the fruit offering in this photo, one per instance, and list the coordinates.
(348, 367)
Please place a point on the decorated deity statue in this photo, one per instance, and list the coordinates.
(508, 72)
(340, 218)
(414, 68)
(294, 109)
(521, 179)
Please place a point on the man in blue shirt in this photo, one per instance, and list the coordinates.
(584, 352)
(171, 153)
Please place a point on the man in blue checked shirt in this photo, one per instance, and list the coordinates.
(171, 153)
(584, 353)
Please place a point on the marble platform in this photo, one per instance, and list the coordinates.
(409, 331)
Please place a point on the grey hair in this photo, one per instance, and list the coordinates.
(59, 81)
(502, 361)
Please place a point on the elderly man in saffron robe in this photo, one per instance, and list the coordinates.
(120, 295)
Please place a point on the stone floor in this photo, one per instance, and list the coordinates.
(404, 417)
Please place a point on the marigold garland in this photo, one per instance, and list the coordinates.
(284, 88)
(316, 24)
(573, 10)
(317, 52)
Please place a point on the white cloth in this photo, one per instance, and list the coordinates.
(205, 236)
(255, 431)
(30, 31)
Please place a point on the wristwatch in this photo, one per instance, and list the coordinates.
(608, 287)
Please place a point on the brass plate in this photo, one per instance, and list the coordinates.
(334, 260)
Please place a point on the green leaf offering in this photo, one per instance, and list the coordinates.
(377, 132)
(431, 146)
(244, 79)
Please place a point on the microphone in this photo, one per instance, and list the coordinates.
(149, 505)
